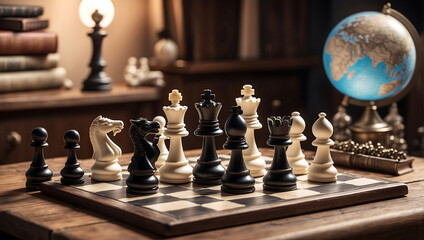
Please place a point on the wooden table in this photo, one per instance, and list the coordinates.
(35, 216)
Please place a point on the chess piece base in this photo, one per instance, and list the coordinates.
(106, 171)
(299, 165)
(74, 181)
(33, 186)
(208, 172)
(176, 172)
(142, 190)
(279, 180)
(322, 173)
(238, 182)
(236, 190)
(145, 184)
(36, 175)
(273, 188)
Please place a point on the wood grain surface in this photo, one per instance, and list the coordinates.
(35, 216)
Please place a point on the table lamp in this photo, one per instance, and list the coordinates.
(97, 14)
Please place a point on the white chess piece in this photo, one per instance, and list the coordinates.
(295, 156)
(130, 70)
(105, 152)
(161, 143)
(176, 168)
(252, 157)
(322, 169)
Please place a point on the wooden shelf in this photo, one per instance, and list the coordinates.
(281, 64)
(120, 93)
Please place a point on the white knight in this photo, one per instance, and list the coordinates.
(105, 152)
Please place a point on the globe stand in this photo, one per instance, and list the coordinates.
(370, 127)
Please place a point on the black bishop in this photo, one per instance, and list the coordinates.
(237, 178)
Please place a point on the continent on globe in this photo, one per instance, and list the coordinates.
(369, 56)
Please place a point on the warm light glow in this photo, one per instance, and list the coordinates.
(105, 7)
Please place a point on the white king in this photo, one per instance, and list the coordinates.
(176, 168)
(252, 157)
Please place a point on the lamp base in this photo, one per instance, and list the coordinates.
(97, 82)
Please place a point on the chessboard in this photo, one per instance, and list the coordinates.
(187, 208)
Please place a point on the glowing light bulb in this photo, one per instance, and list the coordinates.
(87, 8)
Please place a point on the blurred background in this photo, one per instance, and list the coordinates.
(275, 45)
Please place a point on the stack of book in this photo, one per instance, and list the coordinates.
(28, 58)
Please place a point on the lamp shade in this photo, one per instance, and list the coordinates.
(87, 8)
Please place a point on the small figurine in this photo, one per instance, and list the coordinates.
(142, 76)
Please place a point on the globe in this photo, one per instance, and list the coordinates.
(369, 56)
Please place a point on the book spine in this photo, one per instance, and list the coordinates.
(21, 63)
(32, 80)
(373, 163)
(34, 25)
(20, 11)
(27, 43)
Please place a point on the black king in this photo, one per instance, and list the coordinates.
(208, 170)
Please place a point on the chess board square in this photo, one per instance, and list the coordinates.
(222, 205)
(153, 200)
(99, 187)
(171, 206)
(298, 193)
(344, 177)
(184, 194)
(115, 193)
(332, 187)
(306, 184)
(188, 212)
(362, 181)
(172, 189)
(229, 197)
(208, 191)
(202, 199)
(258, 200)
(129, 198)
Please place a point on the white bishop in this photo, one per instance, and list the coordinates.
(322, 169)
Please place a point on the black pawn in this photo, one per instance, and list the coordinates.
(142, 179)
(237, 178)
(208, 169)
(39, 171)
(279, 176)
(72, 173)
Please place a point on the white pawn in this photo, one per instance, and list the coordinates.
(252, 157)
(105, 152)
(161, 143)
(295, 156)
(322, 169)
(176, 168)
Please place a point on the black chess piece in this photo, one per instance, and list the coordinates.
(39, 171)
(72, 173)
(142, 179)
(279, 176)
(237, 178)
(208, 169)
